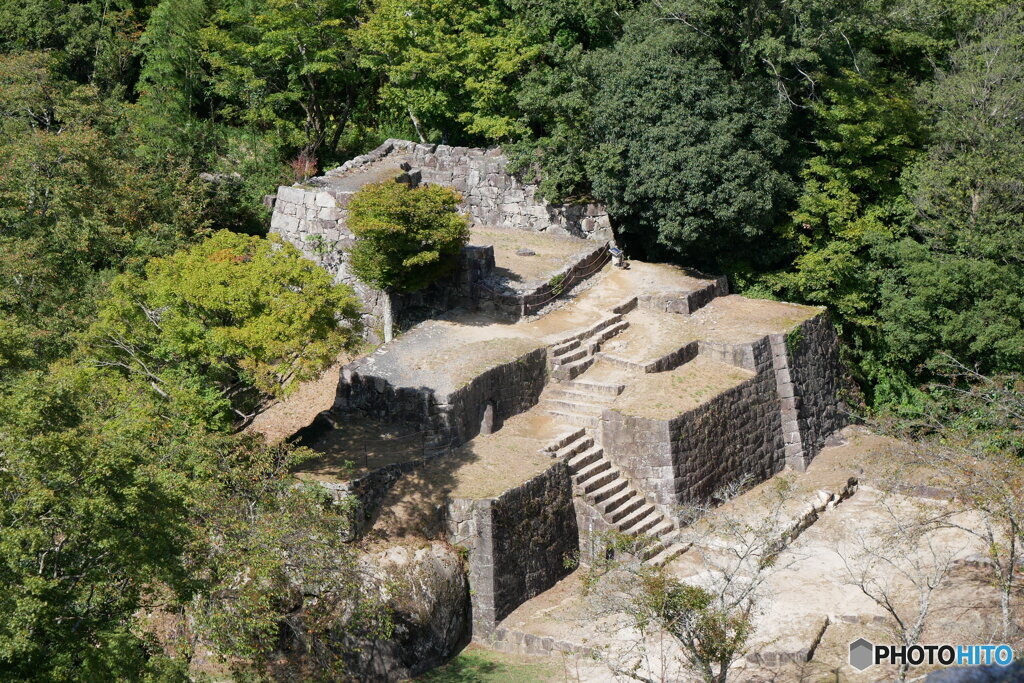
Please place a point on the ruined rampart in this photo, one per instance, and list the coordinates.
(517, 543)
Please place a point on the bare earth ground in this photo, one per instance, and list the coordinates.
(483, 468)
(664, 395)
(551, 253)
(284, 418)
(809, 586)
(736, 319)
(355, 447)
(650, 335)
(444, 354)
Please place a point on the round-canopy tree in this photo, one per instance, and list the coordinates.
(408, 237)
(223, 326)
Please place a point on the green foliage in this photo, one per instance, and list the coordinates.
(91, 523)
(219, 328)
(450, 64)
(480, 665)
(956, 283)
(172, 81)
(257, 602)
(74, 201)
(408, 237)
(687, 158)
(287, 66)
(94, 41)
(710, 633)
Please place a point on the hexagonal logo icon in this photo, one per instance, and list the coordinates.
(861, 654)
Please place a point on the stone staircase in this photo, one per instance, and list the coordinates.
(572, 356)
(623, 508)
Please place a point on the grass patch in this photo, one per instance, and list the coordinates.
(477, 664)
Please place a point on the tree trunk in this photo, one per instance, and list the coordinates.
(416, 125)
(389, 323)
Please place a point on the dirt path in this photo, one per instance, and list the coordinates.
(286, 417)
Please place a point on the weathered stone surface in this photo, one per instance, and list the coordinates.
(431, 612)
(734, 434)
(455, 417)
(517, 543)
(313, 216)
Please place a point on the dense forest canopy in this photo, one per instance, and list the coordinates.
(867, 156)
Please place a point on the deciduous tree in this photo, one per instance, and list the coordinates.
(223, 326)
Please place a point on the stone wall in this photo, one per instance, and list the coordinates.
(808, 378)
(517, 543)
(736, 434)
(365, 494)
(455, 418)
(313, 215)
(511, 304)
(510, 389)
(818, 383)
(686, 458)
(493, 196)
(534, 530)
(685, 302)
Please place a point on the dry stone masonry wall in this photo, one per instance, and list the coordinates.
(492, 196)
(517, 543)
(313, 216)
(453, 419)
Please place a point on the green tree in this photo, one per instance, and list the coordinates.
(92, 523)
(451, 65)
(289, 67)
(219, 328)
(408, 237)
(956, 284)
(299, 592)
(689, 160)
(75, 203)
(93, 41)
(851, 204)
(172, 80)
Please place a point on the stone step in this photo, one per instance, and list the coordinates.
(592, 469)
(626, 306)
(574, 419)
(617, 501)
(609, 390)
(586, 458)
(578, 446)
(572, 370)
(627, 507)
(637, 522)
(601, 325)
(645, 525)
(565, 347)
(667, 555)
(581, 396)
(663, 529)
(651, 549)
(570, 356)
(564, 440)
(587, 333)
(606, 492)
(601, 480)
(577, 407)
(611, 331)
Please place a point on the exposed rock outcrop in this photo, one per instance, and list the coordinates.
(430, 595)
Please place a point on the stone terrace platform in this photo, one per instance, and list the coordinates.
(643, 392)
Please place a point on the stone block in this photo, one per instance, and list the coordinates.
(293, 195)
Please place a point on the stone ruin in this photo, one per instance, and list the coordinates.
(312, 216)
(604, 401)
